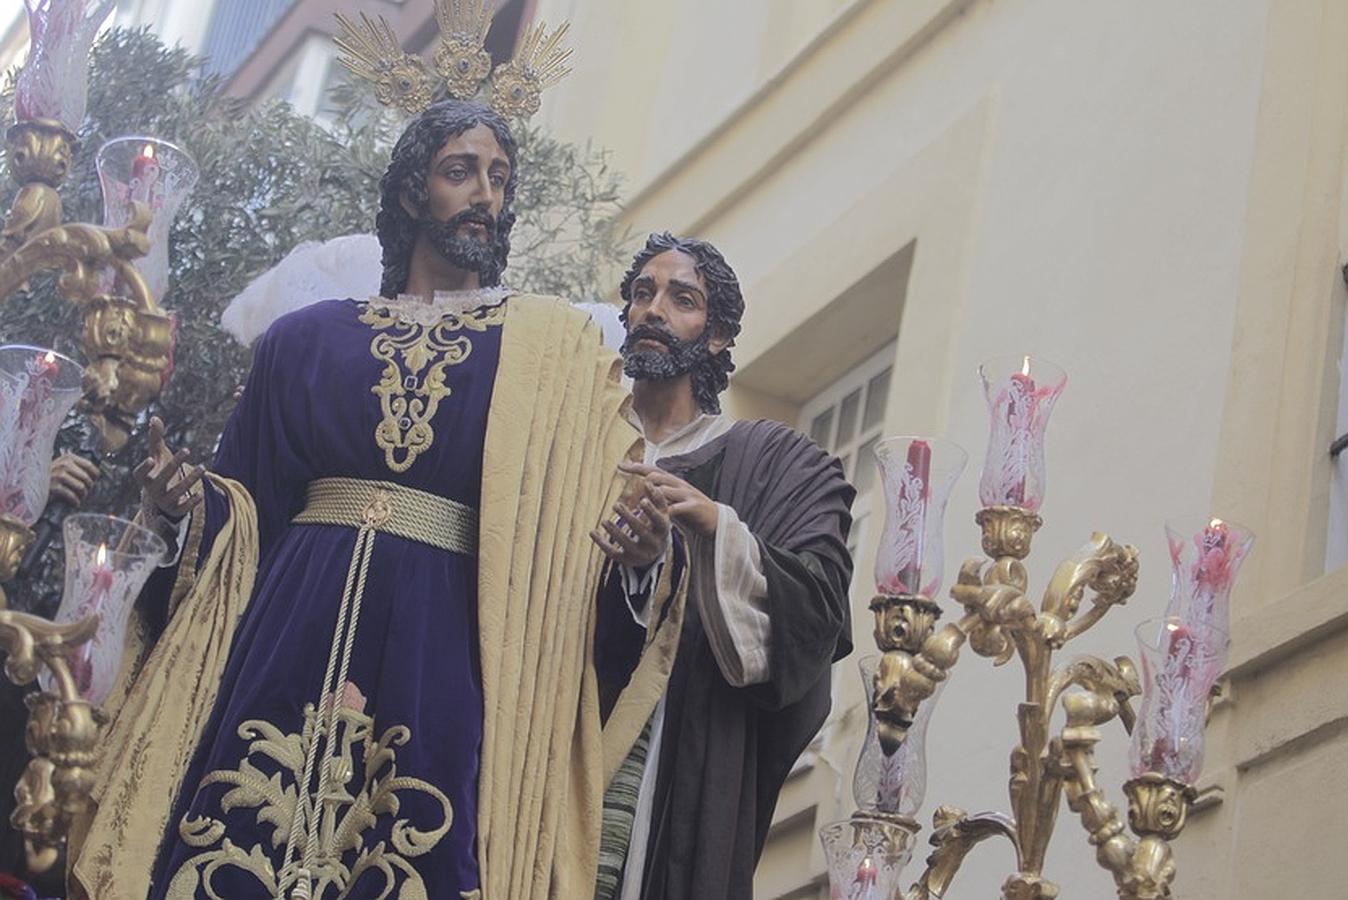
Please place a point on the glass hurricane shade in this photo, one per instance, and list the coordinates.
(865, 858)
(1020, 392)
(917, 475)
(38, 388)
(894, 784)
(1205, 555)
(54, 81)
(107, 563)
(1180, 664)
(157, 173)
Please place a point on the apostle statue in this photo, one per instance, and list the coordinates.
(766, 514)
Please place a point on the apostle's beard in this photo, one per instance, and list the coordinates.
(469, 253)
(680, 359)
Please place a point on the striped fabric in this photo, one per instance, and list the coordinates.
(620, 806)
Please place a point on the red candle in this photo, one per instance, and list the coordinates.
(1020, 416)
(919, 469)
(1178, 670)
(863, 886)
(82, 665)
(144, 174)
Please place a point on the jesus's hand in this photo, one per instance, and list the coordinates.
(167, 485)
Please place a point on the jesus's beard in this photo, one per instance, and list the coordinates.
(468, 253)
(680, 359)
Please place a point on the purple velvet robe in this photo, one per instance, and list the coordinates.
(308, 412)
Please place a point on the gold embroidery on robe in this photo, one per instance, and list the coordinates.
(362, 791)
(412, 384)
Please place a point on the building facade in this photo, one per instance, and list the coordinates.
(1150, 195)
(264, 49)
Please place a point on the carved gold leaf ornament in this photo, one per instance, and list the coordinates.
(364, 787)
(539, 63)
(372, 52)
(462, 58)
(412, 384)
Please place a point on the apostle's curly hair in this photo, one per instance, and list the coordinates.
(406, 178)
(725, 308)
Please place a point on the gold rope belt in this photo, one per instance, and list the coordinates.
(369, 507)
(393, 509)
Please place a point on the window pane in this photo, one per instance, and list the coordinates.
(865, 475)
(847, 466)
(821, 429)
(877, 396)
(847, 417)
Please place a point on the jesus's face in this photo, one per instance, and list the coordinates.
(465, 190)
(468, 174)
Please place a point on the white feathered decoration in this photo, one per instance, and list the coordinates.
(348, 266)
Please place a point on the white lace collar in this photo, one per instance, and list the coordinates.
(416, 309)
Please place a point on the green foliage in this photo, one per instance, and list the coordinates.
(271, 178)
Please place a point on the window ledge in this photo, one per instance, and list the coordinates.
(1264, 636)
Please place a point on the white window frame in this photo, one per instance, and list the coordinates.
(858, 378)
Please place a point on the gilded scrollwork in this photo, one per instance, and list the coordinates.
(62, 732)
(363, 792)
(999, 622)
(903, 622)
(15, 537)
(1106, 568)
(128, 340)
(1157, 805)
(955, 834)
(412, 384)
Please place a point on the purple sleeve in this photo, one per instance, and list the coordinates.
(259, 447)
(257, 451)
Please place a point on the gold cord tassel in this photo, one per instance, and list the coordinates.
(301, 889)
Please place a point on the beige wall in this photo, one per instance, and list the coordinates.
(1148, 194)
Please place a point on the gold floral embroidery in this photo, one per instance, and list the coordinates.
(412, 384)
(350, 807)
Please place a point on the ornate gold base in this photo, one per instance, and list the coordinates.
(40, 153)
(1158, 806)
(62, 732)
(903, 621)
(1007, 530)
(15, 538)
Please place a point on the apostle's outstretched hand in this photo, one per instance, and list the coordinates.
(638, 533)
(167, 484)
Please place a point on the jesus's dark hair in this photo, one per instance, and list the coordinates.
(406, 178)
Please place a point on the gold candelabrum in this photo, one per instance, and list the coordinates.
(127, 341)
(999, 621)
